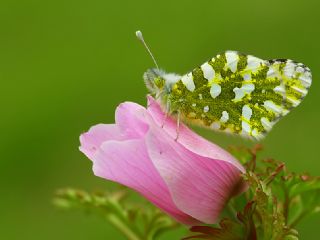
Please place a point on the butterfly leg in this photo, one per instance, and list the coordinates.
(164, 119)
(156, 98)
(178, 126)
(166, 114)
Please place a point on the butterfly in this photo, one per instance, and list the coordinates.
(232, 92)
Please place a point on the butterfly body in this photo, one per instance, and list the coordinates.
(233, 92)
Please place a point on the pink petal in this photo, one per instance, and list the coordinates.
(128, 163)
(130, 123)
(190, 139)
(131, 119)
(200, 186)
(91, 140)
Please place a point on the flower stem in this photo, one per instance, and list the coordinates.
(286, 205)
(231, 210)
(298, 219)
(122, 227)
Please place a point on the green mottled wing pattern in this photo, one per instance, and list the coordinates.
(240, 93)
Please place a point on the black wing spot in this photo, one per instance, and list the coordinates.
(280, 60)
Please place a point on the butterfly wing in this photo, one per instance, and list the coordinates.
(240, 93)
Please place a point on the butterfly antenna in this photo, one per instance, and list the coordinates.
(140, 37)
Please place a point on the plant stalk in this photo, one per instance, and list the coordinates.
(123, 227)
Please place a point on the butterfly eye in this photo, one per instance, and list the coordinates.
(159, 82)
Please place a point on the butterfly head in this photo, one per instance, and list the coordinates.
(154, 80)
(159, 82)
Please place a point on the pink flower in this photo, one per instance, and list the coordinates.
(190, 179)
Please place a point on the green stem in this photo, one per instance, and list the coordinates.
(231, 210)
(123, 227)
(286, 205)
(298, 219)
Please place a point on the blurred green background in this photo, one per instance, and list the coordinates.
(66, 64)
